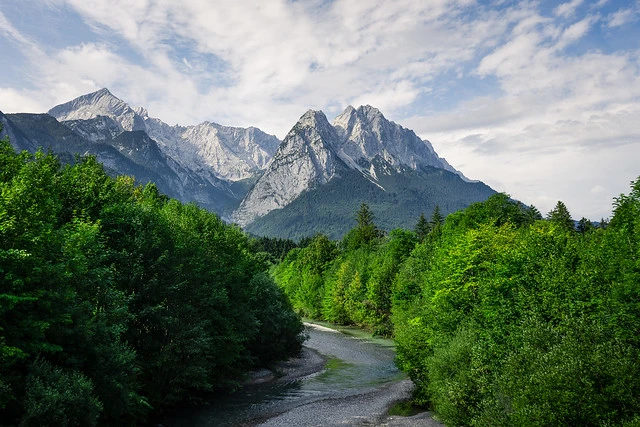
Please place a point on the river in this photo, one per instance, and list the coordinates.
(338, 380)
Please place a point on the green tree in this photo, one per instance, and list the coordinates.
(584, 226)
(114, 298)
(560, 216)
(422, 228)
(58, 397)
(436, 218)
(366, 231)
(533, 214)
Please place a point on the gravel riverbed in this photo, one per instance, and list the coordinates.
(337, 380)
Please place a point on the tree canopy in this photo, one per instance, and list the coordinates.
(117, 302)
(499, 317)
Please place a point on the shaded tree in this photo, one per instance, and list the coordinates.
(365, 232)
(584, 226)
(532, 214)
(422, 227)
(436, 218)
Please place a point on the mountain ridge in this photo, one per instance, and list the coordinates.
(303, 160)
(359, 139)
(231, 153)
(250, 177)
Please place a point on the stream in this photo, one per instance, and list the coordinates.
(339, 379)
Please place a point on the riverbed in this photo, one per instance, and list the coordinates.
(337, 380)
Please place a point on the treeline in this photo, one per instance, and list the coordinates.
(500, 317)
(117, 302)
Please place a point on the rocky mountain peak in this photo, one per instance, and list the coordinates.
(365, 134)
(141, 111)
(305, 159)
(99, 103)
(230, 153)
(312, 119)
(369, 113)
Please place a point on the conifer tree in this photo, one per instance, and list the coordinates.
(584, 225)
(560, 215)
(364, 216)
(436, 218)
(533, 214)
(365, 231)
(422, 227)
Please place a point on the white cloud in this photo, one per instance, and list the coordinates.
(265, 63)
(274, 56)
(14, 101)
(567, 9)
(575, 32)
(622, 17)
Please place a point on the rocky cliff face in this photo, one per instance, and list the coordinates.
(229, 153)
(305, 159)
(100, 103)
(366, 135)
(360, 139)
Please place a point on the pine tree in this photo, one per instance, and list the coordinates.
(584, 225)
(422, 227)
(533, 214)
(560, 215)
(365, 231)
(364, 217)
(604, 223)
(436, 218)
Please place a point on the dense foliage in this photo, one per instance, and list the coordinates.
(116, 302)
(500, 317)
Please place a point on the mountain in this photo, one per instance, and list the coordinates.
(130, 153)
(365, 134)
(228, 153)
(397, 199)
(322, 173)
(17, 138)
(305, 159)
(99, 103)
(312, 181)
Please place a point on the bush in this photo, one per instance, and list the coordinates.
(58, 397)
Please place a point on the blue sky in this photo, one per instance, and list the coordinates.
(538, 99)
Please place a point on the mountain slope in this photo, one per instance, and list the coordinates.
(19, 141)
(130, 153)
(304, 160)
(365, 159)
(228, 153)
(330, 209)
(366, 134)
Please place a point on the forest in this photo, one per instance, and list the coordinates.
(501, 317)
(118, 303)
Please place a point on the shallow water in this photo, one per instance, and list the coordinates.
(356, 384)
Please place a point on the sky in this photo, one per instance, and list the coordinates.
(538, 99)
